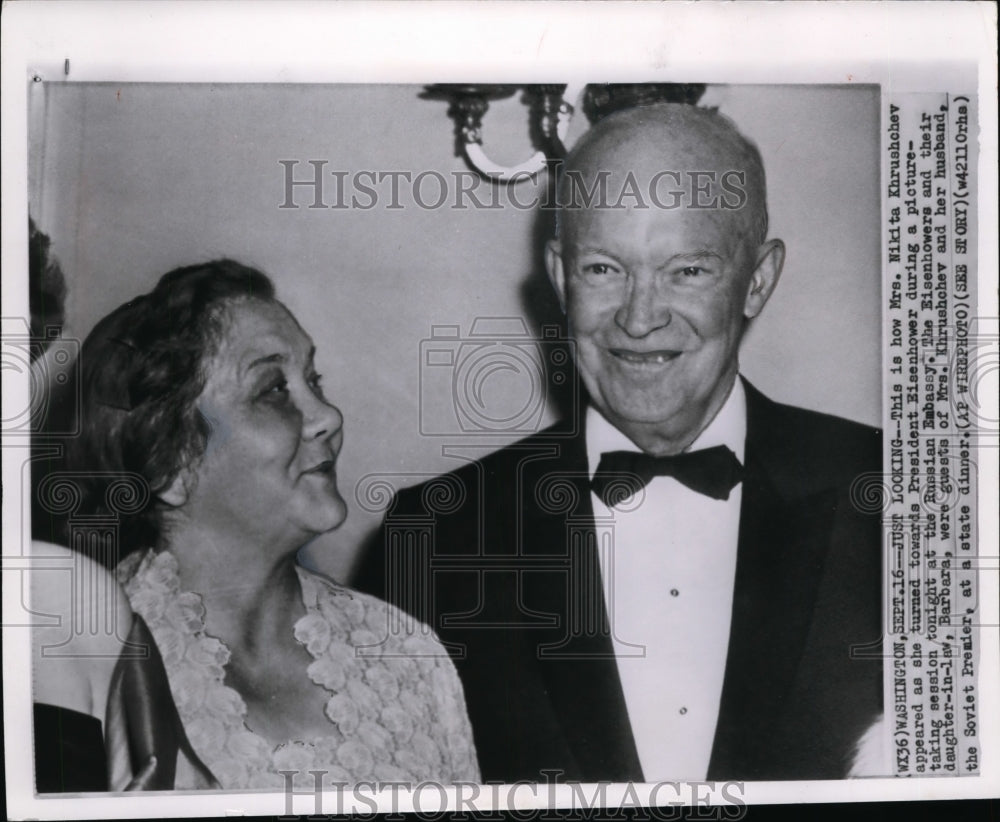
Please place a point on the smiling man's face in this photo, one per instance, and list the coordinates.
(658, 298)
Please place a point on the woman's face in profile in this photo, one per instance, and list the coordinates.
(268, 470)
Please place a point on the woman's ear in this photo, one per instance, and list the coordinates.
(176, 494)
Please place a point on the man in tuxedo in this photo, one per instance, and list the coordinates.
(673, 584)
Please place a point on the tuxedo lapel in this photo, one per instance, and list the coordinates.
(783, 540)
(576, 659)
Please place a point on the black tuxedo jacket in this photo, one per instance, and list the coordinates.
(501, 558)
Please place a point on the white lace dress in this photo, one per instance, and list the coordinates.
(396, 710)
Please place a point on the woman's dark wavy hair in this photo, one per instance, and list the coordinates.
(141, 371)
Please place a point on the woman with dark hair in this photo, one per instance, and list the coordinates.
(205, 389)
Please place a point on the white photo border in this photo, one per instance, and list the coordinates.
(902, 47)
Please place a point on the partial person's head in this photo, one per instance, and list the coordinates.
(46, 290)
(205, 388)
(660, 261)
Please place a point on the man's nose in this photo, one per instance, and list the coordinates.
(643, 310)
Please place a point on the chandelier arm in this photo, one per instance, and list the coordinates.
(562, 115)
(505, 174)
(566, 110)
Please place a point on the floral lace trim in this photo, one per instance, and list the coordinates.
(397, 713)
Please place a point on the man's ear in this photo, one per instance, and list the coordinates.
(176, 494)
(770, 259)
(554, 266)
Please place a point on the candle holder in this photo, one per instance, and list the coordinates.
(550, 113)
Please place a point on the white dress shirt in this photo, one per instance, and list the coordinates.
(669, 595)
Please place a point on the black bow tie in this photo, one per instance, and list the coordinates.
(711, 471)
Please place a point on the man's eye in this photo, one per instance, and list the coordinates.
(692, 271)
(601, 269)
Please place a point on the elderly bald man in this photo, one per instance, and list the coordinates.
(680, 587)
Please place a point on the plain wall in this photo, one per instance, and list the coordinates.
(131, 181)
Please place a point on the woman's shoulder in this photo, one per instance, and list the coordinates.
(82, 617)
(402, 663)
(371, 626)
(67, 587)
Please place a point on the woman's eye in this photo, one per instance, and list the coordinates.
(316, 384)
(276, 389)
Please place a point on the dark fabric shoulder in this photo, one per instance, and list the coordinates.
(806, 450)
(69, 751)
(498, 466)
(454, 501)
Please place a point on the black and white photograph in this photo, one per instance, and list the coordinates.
(385, 430)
